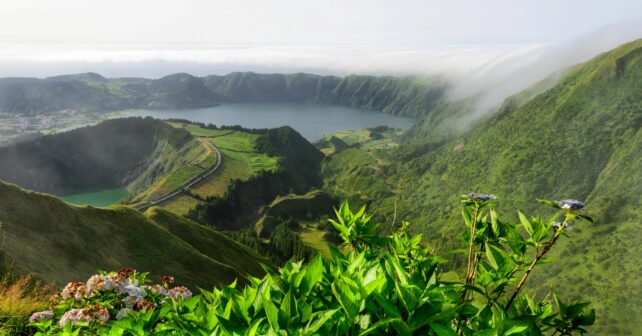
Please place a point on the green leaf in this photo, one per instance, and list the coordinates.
(587, 218)
(379, 325)
(272, 314)
(318, 320)
(549, 203)
(441, 330)
(496, 256)
(526, 223)
(516, 329)
(255, 326)
(313, 274)
(387, 305)
(493, 222)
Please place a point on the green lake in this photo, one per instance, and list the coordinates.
(101, 198)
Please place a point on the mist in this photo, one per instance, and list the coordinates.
(519, 69)
(488, 72)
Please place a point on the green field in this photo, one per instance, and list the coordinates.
(363, 138)
(240, 160)
(193, 161)
(314, 238)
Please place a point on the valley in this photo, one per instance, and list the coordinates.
(263, 193)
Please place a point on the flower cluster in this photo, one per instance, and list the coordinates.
(40, 316)
(557, 225)
(570, 204)
(480, 197)
(123, 292)
(94, 313)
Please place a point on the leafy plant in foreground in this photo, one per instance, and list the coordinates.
(379, 285)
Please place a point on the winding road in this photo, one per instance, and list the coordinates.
(189, 183)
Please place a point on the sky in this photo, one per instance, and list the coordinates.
(306, 22)
(154, 38)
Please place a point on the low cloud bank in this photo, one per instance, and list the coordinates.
(490, 72)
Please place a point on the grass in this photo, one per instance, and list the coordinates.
(315, 238)
(193, 161)
(19, 298)
(240, 161)
(364, 138)
(59, 242)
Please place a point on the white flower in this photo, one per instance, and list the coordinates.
(157, 289)
(98, 283)
(72, 316)
(558, 224)
(43, 315)
(118, 282)
(75, 290)
(179, 291)
(123, 313)
(570, 204)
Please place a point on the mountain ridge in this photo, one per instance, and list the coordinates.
(410, 96)
(60, 242)
(579, 139)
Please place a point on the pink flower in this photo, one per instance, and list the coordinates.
(71, 316)
(39, 316)
(75, 290)
(98, 283)
(179, 291)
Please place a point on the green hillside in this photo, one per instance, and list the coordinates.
(149, 158)
(90, 92)
(580, 139)
(297, 171)
(59, 242)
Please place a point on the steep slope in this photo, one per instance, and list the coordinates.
(579, 139)
(407, 96)
(297, 172)
(59, 242)
(130, 153)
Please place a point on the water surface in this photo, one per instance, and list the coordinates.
(311, 120)
(101, 198)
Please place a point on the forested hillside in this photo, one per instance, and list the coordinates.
(580, 139)
(407, 96)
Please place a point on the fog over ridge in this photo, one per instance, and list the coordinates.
(490, 72)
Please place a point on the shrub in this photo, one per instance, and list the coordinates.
(374, 286)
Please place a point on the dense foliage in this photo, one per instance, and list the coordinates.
(282, 243)
(581, 136)
(377, 285)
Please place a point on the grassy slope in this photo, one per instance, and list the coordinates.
(580, 138)
(60, 242)
(193, 159)
(240, 161)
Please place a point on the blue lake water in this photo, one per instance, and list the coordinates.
(311, 120)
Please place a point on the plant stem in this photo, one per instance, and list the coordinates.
(471, 254)
(539, 256)
(471, 248)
